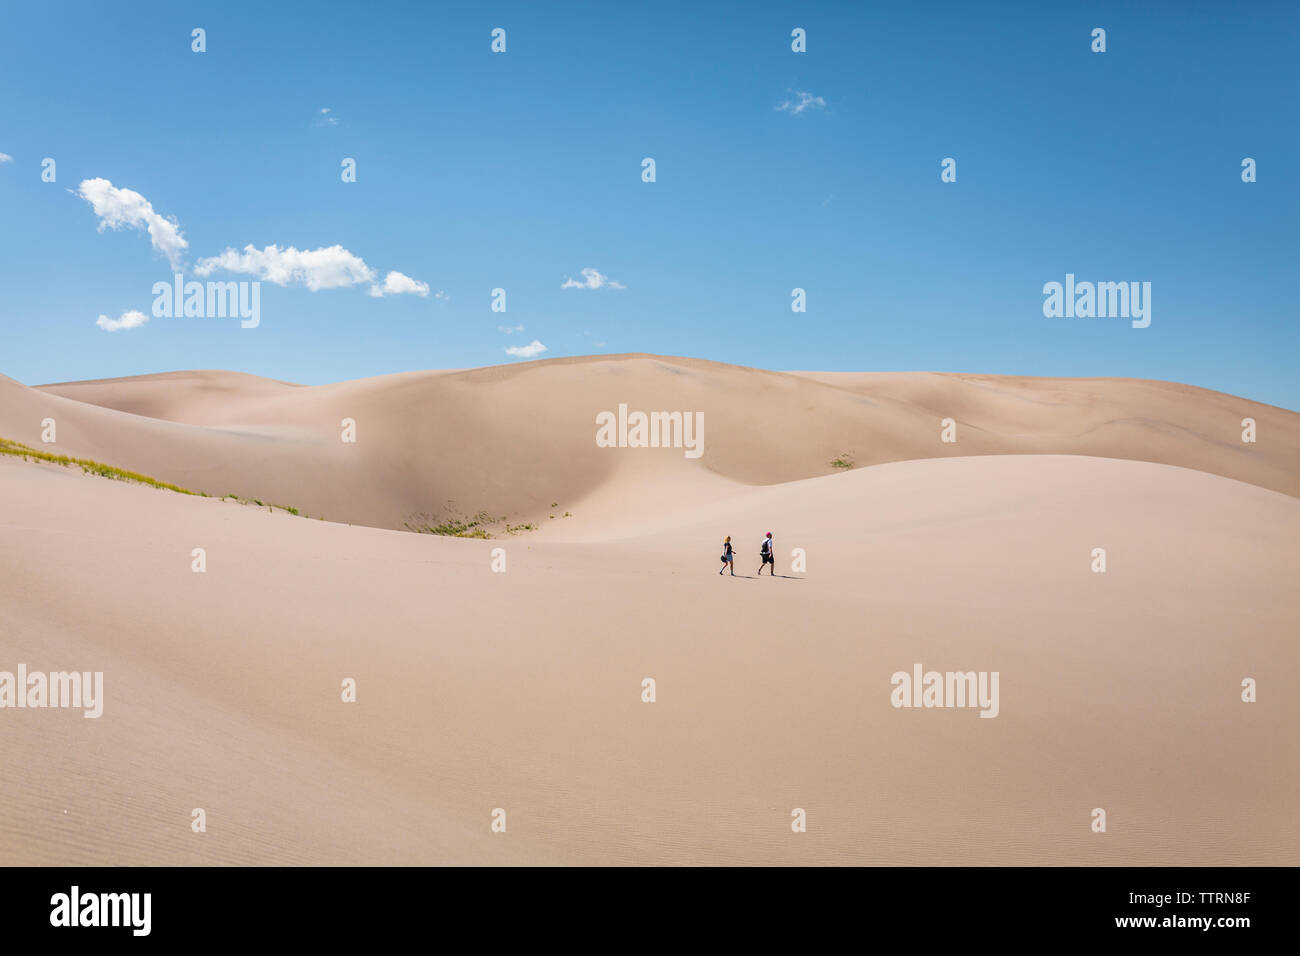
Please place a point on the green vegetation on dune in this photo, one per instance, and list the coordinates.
(10, 447)
(27, 453)
(262, 504)
(456, 526)
(472, 527)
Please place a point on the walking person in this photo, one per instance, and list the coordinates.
(768, 555)
(728, 557)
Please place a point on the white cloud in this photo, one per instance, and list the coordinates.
(330, 267)
(591, 279)
(806, 102)
(441, 296)
(5, 158)
(129, 320)
(510, 329)
(126, 207)
(323, 117)
(526, 351)
(395, 283)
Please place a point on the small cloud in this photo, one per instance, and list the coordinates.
(331, 267)
(526, 351)
(5, 158)
(395, 283)
(129, 320)
(441, 296)
(510, 329)
(117, 208)
(591, 279)
(806, 101)
(323, 117)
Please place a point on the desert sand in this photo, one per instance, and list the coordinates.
(522, 690)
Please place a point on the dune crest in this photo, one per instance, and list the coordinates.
(517, 443)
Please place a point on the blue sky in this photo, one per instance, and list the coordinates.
(478, 170)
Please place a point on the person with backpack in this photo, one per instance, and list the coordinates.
(728, 557)
(768, 555)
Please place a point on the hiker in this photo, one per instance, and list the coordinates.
(768, 555)
(728, 557)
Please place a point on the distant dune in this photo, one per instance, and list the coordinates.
(522, 690)
(197, 398)
(512, 440)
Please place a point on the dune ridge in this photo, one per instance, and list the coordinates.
(455, 443)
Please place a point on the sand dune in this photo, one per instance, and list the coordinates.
(521, 690)
(511, 441)
(196, 398)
